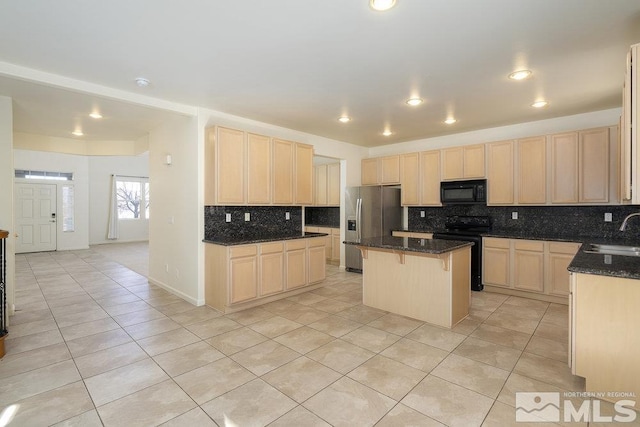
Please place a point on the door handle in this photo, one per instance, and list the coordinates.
(52, 220)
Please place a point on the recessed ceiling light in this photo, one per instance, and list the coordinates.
(77, 132)
(382, 5)
(450, 121)
(142, 82)
(414, 101)
(344, 119)
(387, 132)
(520, 75)
(95, 115)
(539, 104)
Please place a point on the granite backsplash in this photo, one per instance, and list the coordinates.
(561, 221)
(322, 216)
(266, 222)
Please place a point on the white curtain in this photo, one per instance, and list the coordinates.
(113, 211)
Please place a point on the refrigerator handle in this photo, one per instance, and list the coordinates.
(359, 218)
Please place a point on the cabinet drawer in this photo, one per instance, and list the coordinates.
(297, 244)
(317, 241)
(493, 242)
(564, 248)
(529, 245)
(270, 248)
(311, 229)
(325, 230)
(240, 251)
(335, 231)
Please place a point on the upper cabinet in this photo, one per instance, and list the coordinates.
(532, 170)
(244, 168)
(500, 173)
(630, 151)
(420, 178)
(465, 162)
(326, 185)
(380, 171)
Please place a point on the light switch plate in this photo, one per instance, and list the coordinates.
(514, 215)
(247, 216)
(421, 214)
(227, 217)
(608, 217)
(287, 216)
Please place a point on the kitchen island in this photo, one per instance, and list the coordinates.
(426, 279)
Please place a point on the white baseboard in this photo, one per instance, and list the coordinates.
(176, 292)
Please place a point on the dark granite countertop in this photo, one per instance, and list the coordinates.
(241, 240)
(431, 246)
(605, 265)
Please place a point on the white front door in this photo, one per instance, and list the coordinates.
(35, 217)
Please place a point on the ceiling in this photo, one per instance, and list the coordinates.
(302, 64)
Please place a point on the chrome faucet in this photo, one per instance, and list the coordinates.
(624, 223)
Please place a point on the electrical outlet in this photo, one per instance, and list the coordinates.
(608, 217)
(247, 216)
(287, 216)
(514, 215)
(227, 217)
(422, 214)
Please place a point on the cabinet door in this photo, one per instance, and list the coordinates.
(564, 168)
(500, 173)
(271, 273)
(244, 279)
(320, 177)
(452, 163)
(528, 265)
(558, 259)
(410, 179)
(296, 267)
(210, 167)
(473, 161)
(594, 166)
(282, 172)
(532, 170)
(430, 178)
(333, 184)
(390, 170)
(317, 264)
(303, 174)
(335, 248)
(258, 169)
(496, 267)
(230, 166)
(327, 240)
(369, 171)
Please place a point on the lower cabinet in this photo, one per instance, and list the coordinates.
(336, 244)
(245, 273)
(535, 266)
(332, 241)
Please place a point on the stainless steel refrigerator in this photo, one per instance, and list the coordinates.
(370, 212)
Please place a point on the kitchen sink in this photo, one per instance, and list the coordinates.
(614, 250)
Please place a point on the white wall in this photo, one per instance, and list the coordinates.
(100, 170)
(174, 233)
(522, 130)
(55, 162)
(6, 193)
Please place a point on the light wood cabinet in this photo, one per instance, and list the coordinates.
(380, 170)
(271, 271)
(412, 234)
(410, 179)
(326, 185)
(558, 259)
(534, 266)
(242, 276)
(303, 172)
(500, 173)
(283, 172)
(430, 178)
(580, 167)
(532, 170)
(258, 169)
(496, 262)
(320, 184)
(225, 164)
(336, 244)
(528, 265)
(452, 163)
(327, 240)
(333, 184)
(463, 162)
(474, 161)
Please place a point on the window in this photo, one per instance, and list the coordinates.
(68, 217)
(133, 198)
(58, 176)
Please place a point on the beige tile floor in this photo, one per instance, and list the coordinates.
(93, 343)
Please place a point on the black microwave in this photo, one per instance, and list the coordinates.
(463, 192)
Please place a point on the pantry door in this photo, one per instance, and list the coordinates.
(35, 216)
